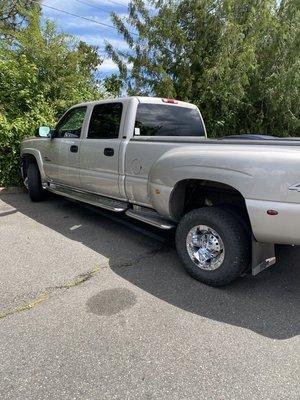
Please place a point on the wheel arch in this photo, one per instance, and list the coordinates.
(31, 156)
(262, 254)
(194, 193)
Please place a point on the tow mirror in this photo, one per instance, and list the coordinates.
(43, 131)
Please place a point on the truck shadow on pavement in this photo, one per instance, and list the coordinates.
(268, 304)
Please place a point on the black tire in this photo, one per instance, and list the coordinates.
(35, 189)
(235, 239)
(238, 213)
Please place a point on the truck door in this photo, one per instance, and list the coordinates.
(99, 153)
(61, 160)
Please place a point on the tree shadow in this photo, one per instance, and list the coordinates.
(267, 304)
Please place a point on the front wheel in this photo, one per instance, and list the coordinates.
(213, 245)
(34, 184)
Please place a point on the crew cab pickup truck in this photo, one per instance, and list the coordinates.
(230, 200)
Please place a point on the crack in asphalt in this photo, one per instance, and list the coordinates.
(42, 297)
(78, 280)
(27, 306)
(137, 260)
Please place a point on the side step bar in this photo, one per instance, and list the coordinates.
(143, 214)
(94, 199)
(150, 217)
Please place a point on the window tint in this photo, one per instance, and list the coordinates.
(105, 121)
(70, 125)
(167, 120)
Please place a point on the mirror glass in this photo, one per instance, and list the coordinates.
(44, 131)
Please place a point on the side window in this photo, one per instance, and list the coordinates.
(70, 125)
(105, 121)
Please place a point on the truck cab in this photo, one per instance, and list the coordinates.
(97, 146)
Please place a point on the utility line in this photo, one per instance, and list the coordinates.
(93, 6)
(116, 3)
(80, 16)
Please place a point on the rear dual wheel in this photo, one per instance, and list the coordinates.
(213, 245)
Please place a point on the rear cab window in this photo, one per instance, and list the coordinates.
(168, 120)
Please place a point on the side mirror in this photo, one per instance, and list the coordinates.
(43, 131)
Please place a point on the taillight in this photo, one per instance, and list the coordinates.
(170, 101)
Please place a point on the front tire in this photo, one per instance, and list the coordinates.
(213, 245)
(35, 189)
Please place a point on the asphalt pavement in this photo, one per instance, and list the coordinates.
(96, 306)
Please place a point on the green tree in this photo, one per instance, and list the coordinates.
(14, 14)
(113, 85)
(42, 72)
(237, 60)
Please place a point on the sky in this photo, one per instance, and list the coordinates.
(91, 33)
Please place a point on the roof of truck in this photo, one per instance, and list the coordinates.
(141, 99)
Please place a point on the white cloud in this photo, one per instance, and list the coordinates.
(91, 32)
(87, 19)
(69, 21)
(108, 66)
(98, 40)
(70, 6)
(87, 5)
(95, 19)
(118, 43)
(110, 3)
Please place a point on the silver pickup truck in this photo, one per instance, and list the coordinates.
(230, 199)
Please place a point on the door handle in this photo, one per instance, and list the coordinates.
(109, 152)
(74, 149)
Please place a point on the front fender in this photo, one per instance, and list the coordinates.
(38, 157)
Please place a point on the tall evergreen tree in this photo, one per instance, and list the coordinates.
(237, 60)
(15, 13)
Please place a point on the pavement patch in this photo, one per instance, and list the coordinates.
(111, 301)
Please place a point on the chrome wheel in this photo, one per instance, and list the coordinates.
(205, 247)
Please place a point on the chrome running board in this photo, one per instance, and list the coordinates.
(150, 217)
(90, 198)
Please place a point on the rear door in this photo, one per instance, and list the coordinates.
(99, 153)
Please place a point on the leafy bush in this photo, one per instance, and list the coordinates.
(42, 72)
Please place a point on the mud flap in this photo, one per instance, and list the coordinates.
(263, 256)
